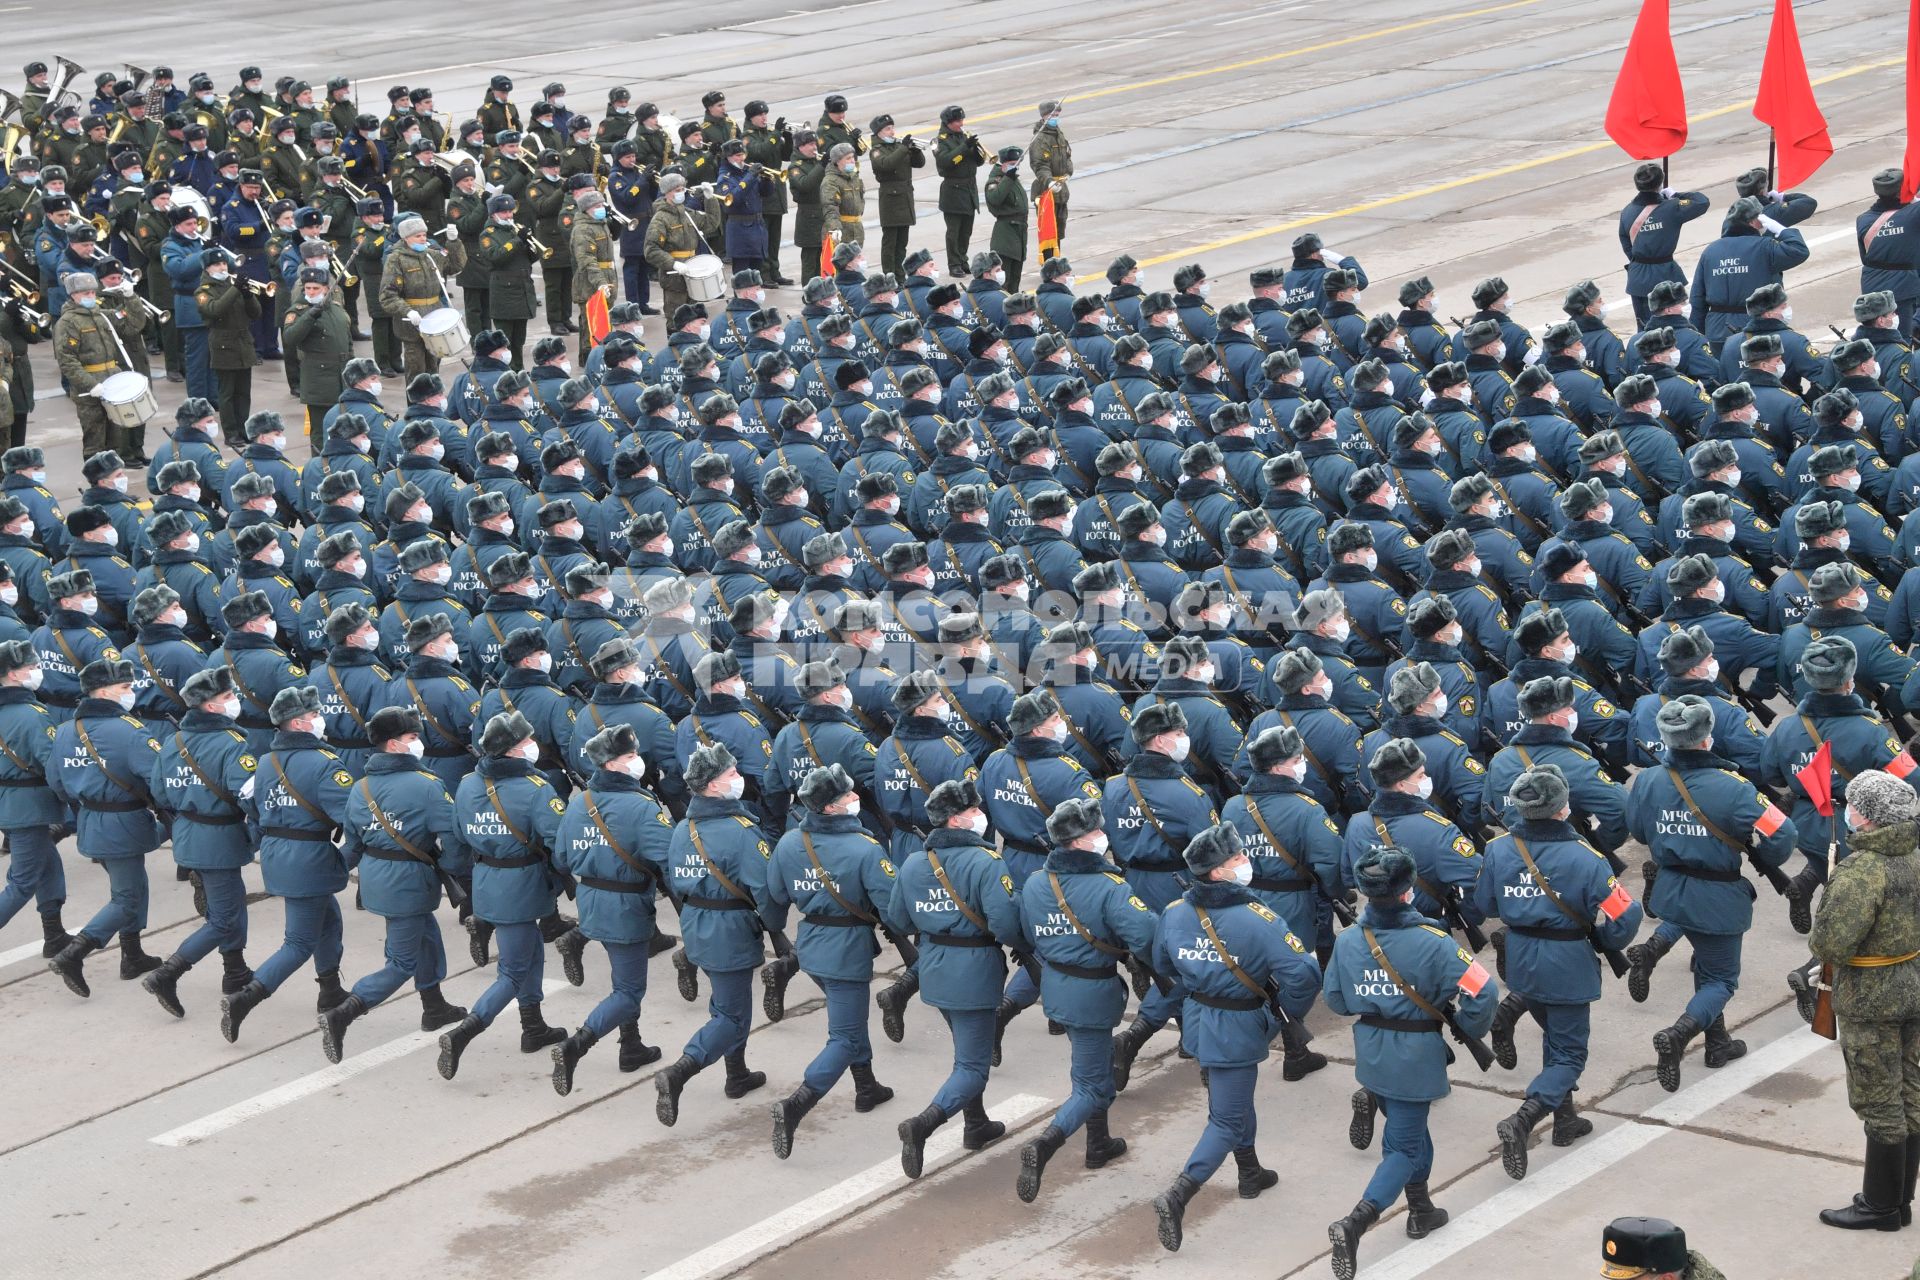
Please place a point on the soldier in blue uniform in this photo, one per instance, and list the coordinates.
(918, 757)
(961, 548)
(425, 590)
(1153, 807)
(1650, 233)
(1254, 583)
(1549, 885)
(340, 508)
(1096, 717)
(953, 892)
(1549, 704)
(524, 684)
(1719, 526)
(1397, 972)
(1839, 593)
(1305, 696)
(297, 803)
(191, 440)
(1152, 577)
(30, 811)
(106, 490)
(260, 665)
(1432, 345)
(162, 655)
(1046, 547)
(69, 641)
(352, 683)
(586, 621)
(1189, 674)
(1402, 813)
(198, 779)
(265, 456)
(100, 766)
(1769, 312)
(1697, 599)
(447, 702)
(1687, 658)
(510, 818)
(1690, 812)
(822, 732)
(402, 833)
(1460, 425)
(1457, 576)
(345, 453)
(722, 714)
(1838, 473)
(20, 548)
(1245, 975)
(1030, 777)
(1419, 707)
(1603, 646)
(92, 542)
(26, 483)
(1434, 636)
(1754, 249)
(260, 559)
(1370, 608)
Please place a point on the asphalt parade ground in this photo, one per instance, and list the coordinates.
(1456, 140)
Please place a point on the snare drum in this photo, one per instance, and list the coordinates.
(128, 399)
(444, 333)
(705, 275)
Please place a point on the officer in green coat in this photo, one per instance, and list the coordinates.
(843, 197)
(770, 147)
(804, 176)
(317, 327)
(894, 159)
(1868, 932)
(958, 158)
(508, 256)
(467, 213)
(229, 311)
(1007, 202)
(1052, 157)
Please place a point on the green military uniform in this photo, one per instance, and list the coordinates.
(282, 167)
(717, 132)
(893, 165)
(804, 179)
(843, 205)
(33, 108)
(594, 268)
(422, 190)
(553, 225)
(142, 136)
(581, 158)
(771, 151)
(337, 203)
(160, 157)
(63, 149)
(150, 231)
(699, 166)
(958, 157)
(86, 349)
(15, 236)
(544, 137)
(468, 214)
(513, 175)
(832, 135)
(247, 145)
(509, 259)
(613, 127)
(1868, 929)
(15, 335)
(323, 335)
(413, 282)
(653, 148)
(230, 312)
(367, 261)
(216, 127)
(127, 306)
(1007, 202)
(6, 392)
(1050, 156)
(673, 236)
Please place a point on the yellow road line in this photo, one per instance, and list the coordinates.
(1437, 188)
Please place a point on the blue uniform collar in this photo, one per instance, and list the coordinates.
(955, 838)
(1687, 759)
(1545, 735)
(160, 633)
(1079, 862)
(1834, 704)
(506, 767)
(392, 762)
(1273, 784)
(422, 667)
(1413, 726)
(1394, 804)
(1391, 914)
(1544, 829)
(829, 823)
(200, 721)
(715, 807)
(607, 780)
(1151, 764)
(287, 740)
(346, 655)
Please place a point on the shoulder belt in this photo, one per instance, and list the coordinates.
(1086, 935)
(351, 709)
(1420, 1002)
(162, 685)
(293, 792)
(246, 690)
(648, 873)
(220, 791)
(713, 868)
(373, 806)
(940, 874)
(1146, 810)
(1712, 827)
(1540, 878)
(493, 796)
(1806, 722)
(1233, 966)
(1260, 820)
(826, 882)
(133, 789)
(446, 735)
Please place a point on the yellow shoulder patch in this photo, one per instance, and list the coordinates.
(341, 778)
(557, 805)
(1438, 933)
(249, 763)
(1261, 910)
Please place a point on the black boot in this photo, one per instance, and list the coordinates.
(1670, 1045)
(1722, 1048)
(1253, 1178)
(741, 1082)
(775, 977)
(54, 936)
(535, 1034)
(435, 1012)
(1360, 1128)
(199, 894)
(668, 1084)
(1102, 1146)
(479, 935)
(234, 973)
(893, 1004)
(1800, 891)
(554, 926)
(1514, 1131)
(134, 961)
(234, 1009)
(567, 1055)
(1806, 993)
(1511, 1008)
(981, 1130)
(67, 964)
(787, 1114)
(1345, 1234)
(331, 992)
(1498, 940)
(454, 1043)
(1642, 956)
(1423, 1216)
(571, 947)
(1569, 1126)
(163, 983)
(1126, 1047)
(914, 1132)
(635, 1053)
(334, 1023)
(1005, 1013)
(868, 1093)
(1877, 1206)
(660, 943)
(1649, 872)
(1907, 1183)
(1033, 1161)
(1170, 1206)
(1298, 1061)
(685, 977)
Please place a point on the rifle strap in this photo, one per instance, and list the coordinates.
(246, 691)
(713, 868)
(648, 875)
(666, 669)
(1146, 810)
(348, 702)
(826, 882)
(1540, 879)
(412, 850)
(1313, 758)
(953, 700)
(147, 661)
(293, 793)
(1233, 966)
(1260, 820)
(1712, 827)
(446, 735)
(1033, 792)
(220, 790)
(86, 741)
(1086, 935)
(940, 874)
(500, 809)
(1539, 529)
(1806, 722)
(1420, 1002)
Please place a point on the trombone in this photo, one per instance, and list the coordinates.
(24, 287)
(347, 279)
(258, 288)
(535, 242)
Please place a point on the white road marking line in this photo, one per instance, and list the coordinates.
(26, 951)
(1624, 300)
(1616, 1145)
(1004, 66)
(838, 1201)
(306, 1086)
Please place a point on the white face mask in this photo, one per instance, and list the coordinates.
(89, 605)
(977, 824)
(356, 503)
(1241, 875)
(440, 574)
(1181, 748)
(735, 788)
(1098, 844)
(1424, 788)
(416, 749)
(1296, 770)
(1713, 669)
(119, 483)
(1057, 733)
(275, 556)
(112, 536)
(1439, 708)
(9, 593)
(1842, 541)
(33, 679)
(1157, 536)
(1371, 560)
(1341, 630)
(853, 809)
(543, 662)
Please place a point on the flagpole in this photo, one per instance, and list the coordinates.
(1666, 162)
(1772, 142)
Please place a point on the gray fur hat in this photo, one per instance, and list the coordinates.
(1539, 793)
(1882, 799)
(293, 702)
(1684, 649)
(1829, 663)
(824, 786)
(1280, 743)
(1831, 583)
(1396, 760)
(1030, 710)
(954, 796)
(1384, 872)
(705, 764)
(503, 733)
(1212, 848)
(1074, 818)
(1685, 722)
(1412, 686)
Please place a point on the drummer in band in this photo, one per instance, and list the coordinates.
(412, 288)
(90, 344)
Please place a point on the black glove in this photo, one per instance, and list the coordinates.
(780, 125)
(855, 133)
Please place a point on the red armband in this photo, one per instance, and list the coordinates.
(1615, 904)
(1771, 819)
(1474, 978)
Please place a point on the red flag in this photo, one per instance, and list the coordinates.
(1912, 179)
(599, 322)
(827, 247)
(1786, 102)
(1049, 224)
(1817, 779)
(1647, 115)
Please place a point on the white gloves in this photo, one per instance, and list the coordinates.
(1772, 226)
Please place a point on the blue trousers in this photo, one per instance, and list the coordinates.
(226, 924)
(522, 964)
(1716, 973)
(847, 1041)
(126, 900)
(193, 352)
(729, 1016)
(1563, 1051)
(1021, 990)
(1091, 1075)
(312, 932)
(628, 960)
(33, 873)
(636, 278)
(414, 950)
(1669, 932)
(1230, 1120)
(1406, 1151)
(972, 1031)
(1159, 1007)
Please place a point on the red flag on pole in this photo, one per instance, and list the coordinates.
(1048, 223)
(1786, 102)
(1817, 779)
(1647, 115)
(599, 321)
(1912, 167)
(827, 247)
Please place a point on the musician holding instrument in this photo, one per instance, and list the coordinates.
(413, 284)
(631, 189)
(246, 231)
(508, 253)
(90, 346)
(232, 313)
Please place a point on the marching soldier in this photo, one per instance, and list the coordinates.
(101, 761)
(592, 253)
(258, 663)
(411, 286)
(1650, 232)
(675, 234)
(1599, 803)
(894, 159)
(30, 810)
(166, 658)
(69, 642)
(230, 312)
(318, 330)
(1753, 250)
(89, 348)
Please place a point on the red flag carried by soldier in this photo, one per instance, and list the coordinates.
(599, 323)
(826, 255)
(1648, 113)
(1817, 779)
(1049, 223)
(1786, 102)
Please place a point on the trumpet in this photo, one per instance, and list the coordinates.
(615, 215)
(34, 319)
(535, 242)
(357, 192)
(23, 286)
(347, 279)
(258, 288)
(156, 314)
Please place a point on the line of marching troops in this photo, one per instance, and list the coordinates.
(1064, 640)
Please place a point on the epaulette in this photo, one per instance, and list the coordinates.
(1194, 787)
(1438, 933)
(953, 742)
